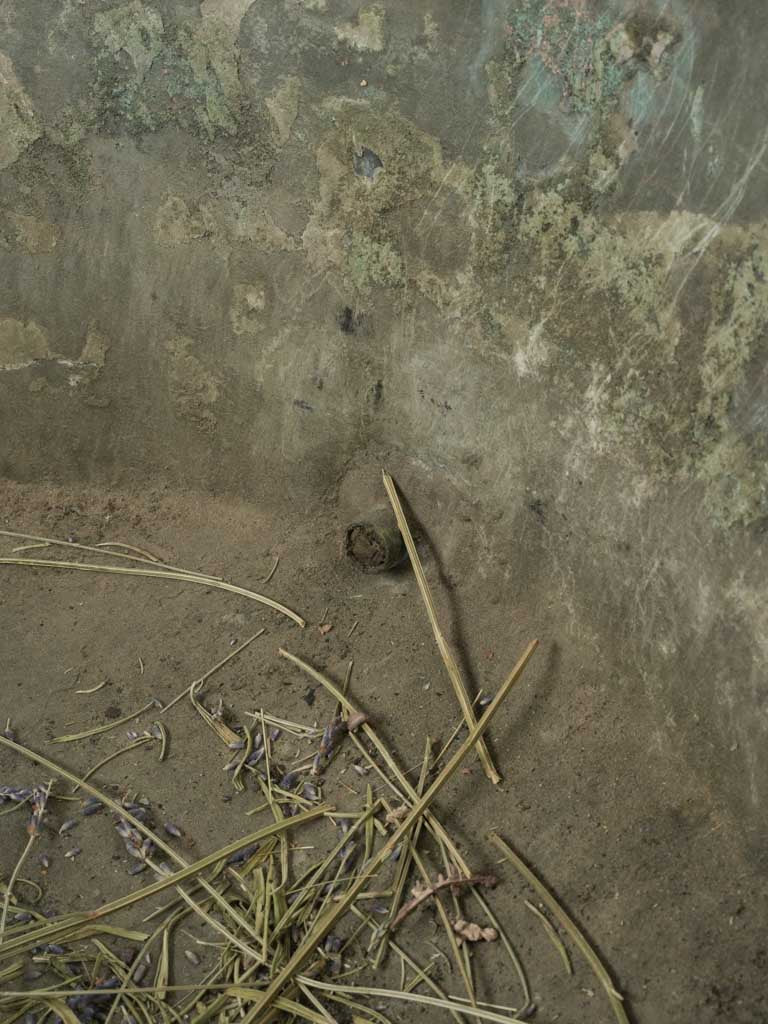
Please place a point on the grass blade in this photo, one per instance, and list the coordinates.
(163, 965)
(445, 653)
(552, 935)
(566, 922)
(104, 728)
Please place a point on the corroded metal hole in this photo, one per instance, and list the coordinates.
(374, 544)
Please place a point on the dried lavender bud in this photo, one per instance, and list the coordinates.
(243, 855)
(172, 830)
(39, 802)
(16, 793)
(74, 852)
(67, 826)
(289, 780)
(110, 983)
(347, 852)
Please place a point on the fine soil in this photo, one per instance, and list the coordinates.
(632, 842)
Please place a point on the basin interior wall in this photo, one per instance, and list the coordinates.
(514, 251)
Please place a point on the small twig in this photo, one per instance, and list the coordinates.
(140, 741)
(425, 892)
(552, 935)
(129, 547)
(94, 689)
(272, 571)
(161, 733)
(207, 675)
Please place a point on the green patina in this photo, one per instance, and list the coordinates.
(371, 262)
(149, 73)
(571, 45)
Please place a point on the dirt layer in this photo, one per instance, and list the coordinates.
(634, 844)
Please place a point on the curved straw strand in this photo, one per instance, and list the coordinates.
(101, 549)
(183, 577)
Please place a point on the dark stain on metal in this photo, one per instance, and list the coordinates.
(346, 320)
(367, 164)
